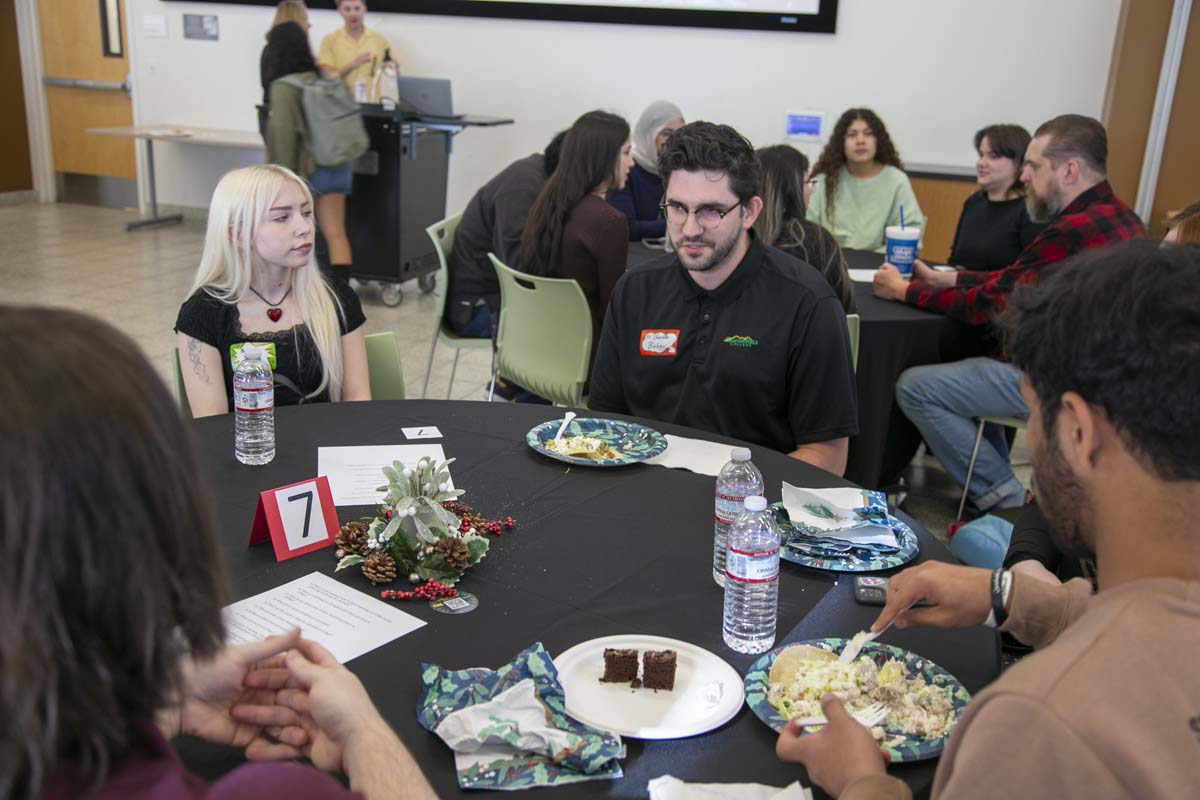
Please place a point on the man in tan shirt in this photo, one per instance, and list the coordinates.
(1109, 705)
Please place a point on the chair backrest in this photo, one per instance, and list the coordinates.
(383, 366)
(544, 338)
(853, 324)
(442, 234)
(180, 391)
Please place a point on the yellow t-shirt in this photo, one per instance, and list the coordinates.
(338, 50)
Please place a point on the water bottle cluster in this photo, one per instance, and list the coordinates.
(747, 555)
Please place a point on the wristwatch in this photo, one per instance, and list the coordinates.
(1001, 589)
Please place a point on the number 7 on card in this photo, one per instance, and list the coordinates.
(297, 518)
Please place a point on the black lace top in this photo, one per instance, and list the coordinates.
(297, 363)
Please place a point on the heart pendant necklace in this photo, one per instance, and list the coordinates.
(274, 312)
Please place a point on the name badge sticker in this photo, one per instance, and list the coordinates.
(659, 342)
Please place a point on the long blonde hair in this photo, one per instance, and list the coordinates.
(289, 11)
(239, 205)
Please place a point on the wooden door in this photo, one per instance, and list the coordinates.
(79, 43)
(16, 172)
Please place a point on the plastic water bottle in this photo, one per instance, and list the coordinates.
(253, 407)
(738, 480)
(752, 579)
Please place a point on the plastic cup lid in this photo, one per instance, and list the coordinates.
(740, 454)
(755, 503)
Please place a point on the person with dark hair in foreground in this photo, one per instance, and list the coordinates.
(99, 672)
(492, 223)
(726, 334)
(782, 224)
(1109, 706)
(1065, 175)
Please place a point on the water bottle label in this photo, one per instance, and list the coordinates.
(752, 567)
(262, 399)
(728, 507)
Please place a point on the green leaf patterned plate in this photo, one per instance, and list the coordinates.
(899, 745)
(633, 442)
(854, 560)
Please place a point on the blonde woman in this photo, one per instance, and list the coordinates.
(258, 282)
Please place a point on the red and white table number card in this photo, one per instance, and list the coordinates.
(298, 518)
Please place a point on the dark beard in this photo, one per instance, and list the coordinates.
(1063, 500)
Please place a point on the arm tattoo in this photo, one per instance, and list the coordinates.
(198, 368)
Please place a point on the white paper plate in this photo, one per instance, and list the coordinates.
(707, 694)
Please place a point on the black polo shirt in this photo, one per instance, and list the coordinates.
(764, 357)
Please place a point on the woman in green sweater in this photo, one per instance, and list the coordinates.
(861, 184)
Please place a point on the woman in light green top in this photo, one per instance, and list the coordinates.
(861, 184)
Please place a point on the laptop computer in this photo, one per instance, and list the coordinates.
(427, 98)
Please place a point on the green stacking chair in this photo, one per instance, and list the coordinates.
(545, 336)
(853, 325)
(442, 234)
(383, 366)
(180, 391)
(1008, 422)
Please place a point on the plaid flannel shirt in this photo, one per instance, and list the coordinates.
(1095, 218)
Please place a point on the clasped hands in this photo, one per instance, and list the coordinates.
(286, 687)
(844, 750)
(891, 285)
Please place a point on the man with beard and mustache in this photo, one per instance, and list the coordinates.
(1065, 175)
(1109, 705)
(728, 335)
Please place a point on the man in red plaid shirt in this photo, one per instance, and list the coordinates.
(1065, 176)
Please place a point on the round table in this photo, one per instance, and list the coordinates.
(595, 552)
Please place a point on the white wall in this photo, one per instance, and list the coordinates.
(935, 70)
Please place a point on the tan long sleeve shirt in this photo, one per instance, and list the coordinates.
(1110, 708)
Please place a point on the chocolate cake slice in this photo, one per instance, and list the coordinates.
(621, 665)
(658, 669)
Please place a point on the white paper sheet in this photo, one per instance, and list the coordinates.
(863, 275)
(667, 787)
(422, 432)
(344, 621)
(356, 473)
(697, 455)
(842, 502)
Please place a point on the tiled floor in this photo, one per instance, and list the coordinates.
(80, 257)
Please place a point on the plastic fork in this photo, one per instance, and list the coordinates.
(855, 645)
(868, 716)
(566, 421)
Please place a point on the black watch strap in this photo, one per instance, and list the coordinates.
(998, 611)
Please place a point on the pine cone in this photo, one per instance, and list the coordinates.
(379, 568)
(352, 539)
(455, 551)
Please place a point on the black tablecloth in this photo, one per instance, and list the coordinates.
(595, 552)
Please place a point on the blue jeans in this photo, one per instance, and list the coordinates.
(983, 542)
(945, 401)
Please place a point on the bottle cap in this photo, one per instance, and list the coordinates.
(251, 352)
(740, 454)
(755, 503)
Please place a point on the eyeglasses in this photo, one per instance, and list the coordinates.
(706, 216)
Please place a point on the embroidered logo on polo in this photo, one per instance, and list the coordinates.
(741, 341)
(659, 342)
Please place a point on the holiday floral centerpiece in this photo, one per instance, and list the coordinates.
(413, 534)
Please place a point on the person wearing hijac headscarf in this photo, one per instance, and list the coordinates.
(643, 191)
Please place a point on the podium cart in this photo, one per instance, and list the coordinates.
(399, 191)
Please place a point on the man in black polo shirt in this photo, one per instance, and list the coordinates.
(728, 335)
